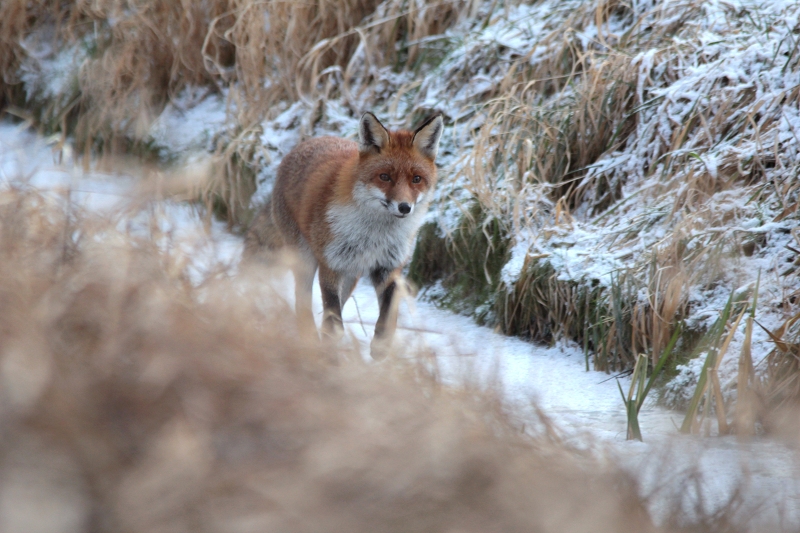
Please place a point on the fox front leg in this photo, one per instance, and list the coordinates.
(386, 287)
(329, 284)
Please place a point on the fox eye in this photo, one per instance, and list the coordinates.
(416, 179)
(385, 177)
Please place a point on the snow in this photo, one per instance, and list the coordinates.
(511, 270)
(49, 73)
(26, 160)
(188, 123)
(29, 161)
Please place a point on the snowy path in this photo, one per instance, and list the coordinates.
(586, 406)
(555, 378)
(588, 410)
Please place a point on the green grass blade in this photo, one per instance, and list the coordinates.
(755, 295)
(661, 362)
(634, 432)
(715, 334)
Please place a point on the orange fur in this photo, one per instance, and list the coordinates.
(351, 210)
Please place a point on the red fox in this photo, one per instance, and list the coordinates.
(351, 210)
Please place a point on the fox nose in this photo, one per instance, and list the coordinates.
(404, 208)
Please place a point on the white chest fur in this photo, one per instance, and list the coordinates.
(366, 236)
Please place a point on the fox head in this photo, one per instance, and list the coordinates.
(396, 170)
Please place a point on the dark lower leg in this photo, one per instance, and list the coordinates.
(332, 316)
(346, 290)
(387, 320)
(386, 289)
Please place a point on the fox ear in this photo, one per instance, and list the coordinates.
(426, 138)
(372, 136)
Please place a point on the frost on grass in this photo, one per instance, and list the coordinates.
(698, 173)
(49, 73)
(188, 124)
(705, 175)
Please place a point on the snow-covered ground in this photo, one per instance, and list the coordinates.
(29, 161)
(585, 406)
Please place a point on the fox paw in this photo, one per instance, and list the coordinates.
(379, 348)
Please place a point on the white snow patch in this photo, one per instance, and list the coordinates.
(188, 123)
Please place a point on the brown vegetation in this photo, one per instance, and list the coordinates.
(133, 401)
(139, 55)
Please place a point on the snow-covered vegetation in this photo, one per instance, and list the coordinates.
(611, 172)
(619, 167)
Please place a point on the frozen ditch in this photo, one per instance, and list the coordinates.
(586, 406)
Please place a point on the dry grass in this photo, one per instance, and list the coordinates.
(553, 147)
(557, 110)
(546, 124)
(330, 49)
(137, 56)
(133, 66)
(134, 401)
(782, 387)
(162, 406)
